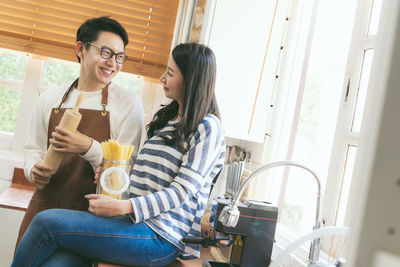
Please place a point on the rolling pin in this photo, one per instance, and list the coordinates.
(69, 121)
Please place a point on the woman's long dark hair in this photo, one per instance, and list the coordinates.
(198, 66)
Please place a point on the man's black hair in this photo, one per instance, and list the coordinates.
(89, 31)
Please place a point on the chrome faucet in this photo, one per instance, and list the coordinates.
(230, 214)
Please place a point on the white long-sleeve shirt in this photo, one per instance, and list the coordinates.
(126, 122)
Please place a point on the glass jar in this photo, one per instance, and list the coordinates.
(114, 179)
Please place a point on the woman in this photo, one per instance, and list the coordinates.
(170, 184)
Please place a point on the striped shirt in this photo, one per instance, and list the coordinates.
(169, 190)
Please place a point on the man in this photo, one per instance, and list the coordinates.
(108, 112)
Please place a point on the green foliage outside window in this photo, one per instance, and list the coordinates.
(12, 67)
(55, 74)
(10, 100)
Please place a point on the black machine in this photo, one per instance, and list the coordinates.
(248, 225)
(251, 239)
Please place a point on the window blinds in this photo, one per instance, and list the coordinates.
(48, 28)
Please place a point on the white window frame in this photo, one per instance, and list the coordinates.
(30, 92)
(6, 139)
(285, 119)
(344, 136)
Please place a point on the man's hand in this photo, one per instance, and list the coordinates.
(106, 206)
(98, 173)
(41, 173)
(70, 141)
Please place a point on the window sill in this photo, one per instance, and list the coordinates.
(19, 193)
(284, 239)
(299, 258)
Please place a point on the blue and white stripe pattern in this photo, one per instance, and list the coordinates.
(169, 190)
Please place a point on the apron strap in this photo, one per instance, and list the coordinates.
(66, 94)
(104, 97)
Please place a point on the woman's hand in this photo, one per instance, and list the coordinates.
(106, 206)
(70, 141)
(41, 173)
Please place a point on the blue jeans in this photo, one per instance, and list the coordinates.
(76, 238)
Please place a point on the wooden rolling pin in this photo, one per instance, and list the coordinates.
(69, 121)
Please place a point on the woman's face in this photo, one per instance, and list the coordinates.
(173, 82)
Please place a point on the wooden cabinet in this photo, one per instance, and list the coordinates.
(246, 37)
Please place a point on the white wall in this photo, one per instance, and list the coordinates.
(9, 219)
(9, 226)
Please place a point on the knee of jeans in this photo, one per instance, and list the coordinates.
(45, 217)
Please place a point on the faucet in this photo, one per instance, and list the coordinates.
(230, 214)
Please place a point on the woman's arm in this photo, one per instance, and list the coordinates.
(102, 205)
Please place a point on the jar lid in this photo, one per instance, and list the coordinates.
(114, 180)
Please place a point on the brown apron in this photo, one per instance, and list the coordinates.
(74, 178)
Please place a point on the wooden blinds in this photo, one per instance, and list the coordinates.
(48, 28)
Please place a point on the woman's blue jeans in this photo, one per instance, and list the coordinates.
(76, 238)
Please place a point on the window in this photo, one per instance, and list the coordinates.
(351, 110)
(319, 110)
(362, 89)
(248, 49)
(345, 184)
(12, 74)
(130, 82)
(313, 135)
(10, 100)
(57, 73)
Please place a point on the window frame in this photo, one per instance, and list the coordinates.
(344, 135)
(285, 119)
(6, 139)
(29, 88)
(30, 94)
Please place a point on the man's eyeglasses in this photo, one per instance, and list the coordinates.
(107, 53)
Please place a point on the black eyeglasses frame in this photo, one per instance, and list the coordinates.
(111, 54)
